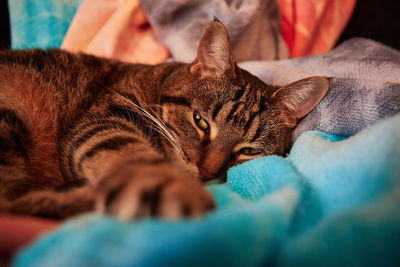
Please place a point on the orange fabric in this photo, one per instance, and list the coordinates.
(114, 29)
(313, 26)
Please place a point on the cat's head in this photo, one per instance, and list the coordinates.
(222, 115)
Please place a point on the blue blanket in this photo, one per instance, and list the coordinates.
(333, 201)
(40, 23)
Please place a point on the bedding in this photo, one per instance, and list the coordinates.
(40, 24)
(364, 84)
(334, 200)
(313, 27)
(260, 30)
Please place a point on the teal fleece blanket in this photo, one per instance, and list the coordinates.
(333, 201)
(40, 23)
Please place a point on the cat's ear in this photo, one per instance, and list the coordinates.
(214, 53)
(300, 97)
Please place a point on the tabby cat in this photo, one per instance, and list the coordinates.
(81, 133)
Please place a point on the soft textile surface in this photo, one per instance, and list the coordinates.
(259, 29)
(313, 27)
(110, 27)
(331, 202)
(40, 23)
(15, 231)
(253, 25)
(364, 84)
(114, 29)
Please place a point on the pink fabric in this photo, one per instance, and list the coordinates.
(313, 26)
(114, 29)
(18, 231)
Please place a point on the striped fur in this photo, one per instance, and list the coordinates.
(79, 133)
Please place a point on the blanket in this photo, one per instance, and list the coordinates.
(40, 24)
(114, 29)
(364, 85)
(333, 201)
(313, 27)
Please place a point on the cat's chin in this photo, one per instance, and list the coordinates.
(218, 180)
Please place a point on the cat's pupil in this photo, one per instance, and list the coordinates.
(249, 151)
(200, 122)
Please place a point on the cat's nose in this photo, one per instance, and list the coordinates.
(206, 175)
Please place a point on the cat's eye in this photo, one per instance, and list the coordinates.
(248, 151)
(200, 122)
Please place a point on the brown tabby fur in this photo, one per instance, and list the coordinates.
(79, 133)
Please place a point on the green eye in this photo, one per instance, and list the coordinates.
(200, 122)
(248, 151)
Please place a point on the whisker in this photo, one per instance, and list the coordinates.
(158, 124)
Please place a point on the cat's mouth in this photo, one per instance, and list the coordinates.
(210, 178)
(205, 176)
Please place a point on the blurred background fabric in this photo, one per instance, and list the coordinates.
(253, 26)
(114, 29)
(44, 23)
(40, 23)
(313, 27)
(129, 30)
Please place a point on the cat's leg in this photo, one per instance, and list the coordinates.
(141, 189)
(29, 166)
(22, 193)
(28, 133)
(133, 179)
(51, 203)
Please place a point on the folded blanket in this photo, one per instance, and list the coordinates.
(332, 202)
(364, 85)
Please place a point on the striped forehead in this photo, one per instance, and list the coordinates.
(242, 111)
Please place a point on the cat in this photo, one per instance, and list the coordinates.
(80, 133)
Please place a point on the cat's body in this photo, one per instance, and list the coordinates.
(79, 132)
(51, 103)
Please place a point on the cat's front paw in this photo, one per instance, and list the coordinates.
(143, 191)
